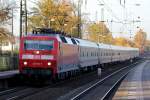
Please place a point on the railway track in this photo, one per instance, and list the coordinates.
(18, 93)
(22, 92)
(53, 91)
(103, 88)
(11, 90)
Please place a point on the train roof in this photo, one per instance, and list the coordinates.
(86, 43)
(106, 46)
(114, 47)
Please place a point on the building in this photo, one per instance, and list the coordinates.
(7, 41)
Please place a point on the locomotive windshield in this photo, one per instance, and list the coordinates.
(38, 44)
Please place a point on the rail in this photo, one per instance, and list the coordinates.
(87, 90)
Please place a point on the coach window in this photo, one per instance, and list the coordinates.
(63, 39)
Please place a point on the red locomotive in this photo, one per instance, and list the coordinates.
(46, 54)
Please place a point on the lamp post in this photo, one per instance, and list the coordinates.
(79, 18)
(12, 46)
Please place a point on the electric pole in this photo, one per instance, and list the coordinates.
(20, 18)
(23, 14)
(79, 18)
(25, 7)
(124, 3)
(102, 21)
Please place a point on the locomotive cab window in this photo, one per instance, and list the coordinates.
(38, 44)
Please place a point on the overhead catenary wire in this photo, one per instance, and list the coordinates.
(124, 21)
(109, 10)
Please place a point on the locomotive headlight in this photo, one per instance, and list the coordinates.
(37, 52)
(25, 63)
(49, 63)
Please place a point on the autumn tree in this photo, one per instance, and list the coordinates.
(140, 39)
(121, 41)
(53, 14)
(98, 32)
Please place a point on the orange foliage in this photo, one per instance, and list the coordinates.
(123, 42)
(140, 39)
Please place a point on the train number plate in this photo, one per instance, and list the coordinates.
(37, 64)
(37, 57)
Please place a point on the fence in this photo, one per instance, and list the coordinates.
(8, 62)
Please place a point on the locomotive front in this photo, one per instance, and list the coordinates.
(38, 55)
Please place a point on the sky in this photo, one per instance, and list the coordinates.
(113, 14)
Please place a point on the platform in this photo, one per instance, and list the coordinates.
(136, 85)
(8, 74)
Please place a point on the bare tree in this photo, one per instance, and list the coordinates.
(6, 7)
